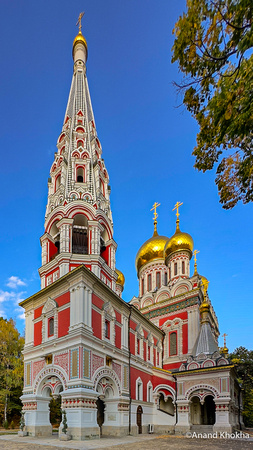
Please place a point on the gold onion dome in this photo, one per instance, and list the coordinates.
(121, 278)
(80, 39)
(179, 241)
(151, 250)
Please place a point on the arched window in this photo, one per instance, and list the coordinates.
(142, 286)
(165, 279)
(149, 282)
(107, 328)
(139, 389)
(50, 326)
(80, 235)
(158, 280)
(80, 175)
(175, 268)
(57, 182)
(183, 267)
(173, 343)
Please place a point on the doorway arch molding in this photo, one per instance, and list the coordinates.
(49, 372)
(201, 391)
(106, 372)
(160, 388)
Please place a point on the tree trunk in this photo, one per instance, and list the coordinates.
(5, 407)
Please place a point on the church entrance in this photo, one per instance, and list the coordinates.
(55, 414)
(203, 414)
(100, 414)
(139, 419)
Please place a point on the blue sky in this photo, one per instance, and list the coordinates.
(147, 144)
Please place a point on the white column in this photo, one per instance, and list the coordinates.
(28, 328)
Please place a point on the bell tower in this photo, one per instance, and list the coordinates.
(78, 220)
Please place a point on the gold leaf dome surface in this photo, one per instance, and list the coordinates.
(179, 241)
(80, 38)
(152, 249)
(121, 278)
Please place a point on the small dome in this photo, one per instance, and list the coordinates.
(80, 38)
(179, 241)
(121, 278)
(152, 249)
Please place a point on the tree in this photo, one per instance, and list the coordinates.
(213, 47)
(243, 361)
(11, 368)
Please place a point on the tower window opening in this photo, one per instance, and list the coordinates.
(80, 175)
(165, 278)
(175, 268)
(149, 282)
(142, 286)
(158, 280)
(173, 344)
(138, 346)
(79, 240)
(51, 327)
(183, 267)
(107, 329)
(57, 182)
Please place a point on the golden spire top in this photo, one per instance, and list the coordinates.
(176, 207)
(155, 206)
(205, 284)
(224, 337)
(195, 261)
(79, 23)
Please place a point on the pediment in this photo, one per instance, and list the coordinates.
(49, 305)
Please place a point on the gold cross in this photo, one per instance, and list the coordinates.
(177, 205)
(195, 253)
(79, 21)
(224, 336)
(155, 205)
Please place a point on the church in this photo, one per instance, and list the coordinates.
(150, 365)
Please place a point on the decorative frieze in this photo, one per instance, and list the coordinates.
(62, 360)
(37, 367)
(97, 362)
(79, 403)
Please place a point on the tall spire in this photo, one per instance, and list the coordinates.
(78, 222)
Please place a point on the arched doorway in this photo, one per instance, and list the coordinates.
(196, 418)
(209, 410)
(139, 419)
(100, 413)
(203, 413)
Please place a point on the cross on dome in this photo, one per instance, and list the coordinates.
(195, 261)
(79, 23)
(155, 206)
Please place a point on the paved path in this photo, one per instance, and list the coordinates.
(145, 442)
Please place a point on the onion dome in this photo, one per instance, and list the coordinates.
(80, 38)
(179, 241)
(121, 278)
(151, 250)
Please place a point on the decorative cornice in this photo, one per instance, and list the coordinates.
(171, 308)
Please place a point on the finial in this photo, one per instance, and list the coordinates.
(177, 205)
(195, 261)
(204, 284)
(79, 21)
(224, 336)
(155, 205)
